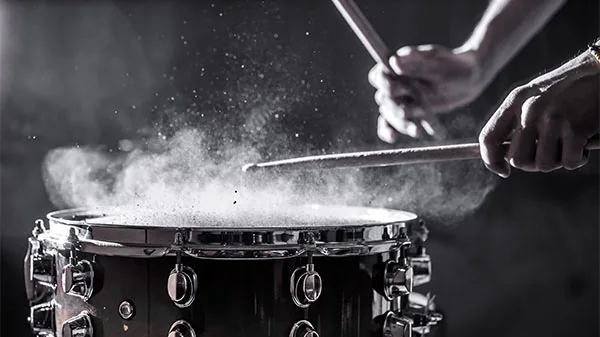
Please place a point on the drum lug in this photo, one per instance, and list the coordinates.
(78, 326)
(398, 280)
(182, 284)
(181, 328)
(423, 315)
(421, 265)
(303, 329)
(39, 271)
(41, 319)
(78, 278)
(398, 275)
(306, 284)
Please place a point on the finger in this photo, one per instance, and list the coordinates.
(377, 76)
(521, 153)
(394, 115)
(385, 132)
(497, 130)
(409, 61)
(389, 86)
(410, 109)
(407, 112)
(548, 152)
(434, 128)
(380, 97)
(574, 155)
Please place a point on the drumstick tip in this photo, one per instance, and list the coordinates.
(249, 167)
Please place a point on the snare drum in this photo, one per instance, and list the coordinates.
(315, 270)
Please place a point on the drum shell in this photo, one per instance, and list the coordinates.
(249, 298)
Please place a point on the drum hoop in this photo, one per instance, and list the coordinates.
(224, 243)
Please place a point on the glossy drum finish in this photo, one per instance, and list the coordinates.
(199, 286)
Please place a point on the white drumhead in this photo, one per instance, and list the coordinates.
(290, 217)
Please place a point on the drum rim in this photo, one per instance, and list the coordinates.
(55, 216)
(228, 243)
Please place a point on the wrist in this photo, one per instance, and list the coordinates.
(477, 56)
(594, 54)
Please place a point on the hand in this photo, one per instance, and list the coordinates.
(549, 119)
(426, 80)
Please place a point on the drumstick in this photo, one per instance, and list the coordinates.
(416, 155)
(379, 51)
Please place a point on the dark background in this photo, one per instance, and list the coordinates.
(525, 262)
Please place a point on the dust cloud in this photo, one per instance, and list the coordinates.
(179, 175)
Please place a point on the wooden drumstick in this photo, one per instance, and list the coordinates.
(416, 155)
(380, 52)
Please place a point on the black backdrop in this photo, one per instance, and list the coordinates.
(526, 262)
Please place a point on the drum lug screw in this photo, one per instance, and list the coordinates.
(182, 284)
(307, 287)
(178, 240)
(38, 228)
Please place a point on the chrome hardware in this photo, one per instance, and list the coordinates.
(78, 278)
(395, 325)
(181, 328)
(397, 280)
(78, 326)
(126, 310)
(421, 266)
(182, 284)
(72, 240)
(41, 319)
(307, 287)
(379, 234)
(423, 315)
(39, 271)
(303, 329)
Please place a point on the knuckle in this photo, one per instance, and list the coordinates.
(531, 104)
(552, 119)
(373, 75)
(518, 93)
(426, 48)
(574, 134)
(486, 137)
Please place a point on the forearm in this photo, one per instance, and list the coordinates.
(505, 28)
(582, 65)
